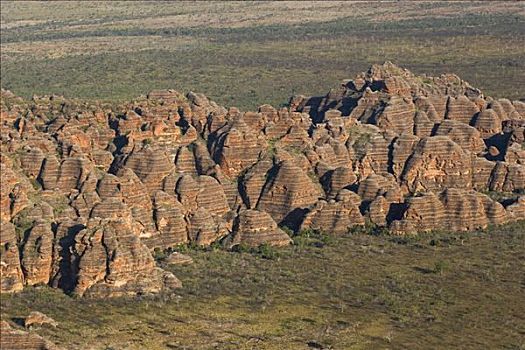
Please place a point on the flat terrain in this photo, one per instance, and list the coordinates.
(247, 54)
(435, 291)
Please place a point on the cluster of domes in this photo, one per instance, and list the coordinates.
(90, 189)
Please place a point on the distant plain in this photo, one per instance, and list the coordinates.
(245, 54)
(360, 291)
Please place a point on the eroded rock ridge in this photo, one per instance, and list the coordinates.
(89, 190)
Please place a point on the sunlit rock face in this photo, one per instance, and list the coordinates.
(89, 190)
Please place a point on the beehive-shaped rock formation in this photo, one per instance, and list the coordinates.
(398, 115)
(335, 216)
(151, 166)
(93, 189)
(465, 210)
(461, 109)
(204, 228)
(423, 212)
(253, 182)
(287, 191)
(340, 178)
(236, 147)
(17, 339)
(112, 261)
(169, 222)
(254, 228)
(437, 163)
(11, 271)
(37, 254)
(376, 185)
(464, 135)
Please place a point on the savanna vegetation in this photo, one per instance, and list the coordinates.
(246, 54)
(365, 290)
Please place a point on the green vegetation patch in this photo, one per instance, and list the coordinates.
(358, 291)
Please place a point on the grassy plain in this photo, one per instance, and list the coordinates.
(247, 54)
(360, 291)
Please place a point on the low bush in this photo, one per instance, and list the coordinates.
(311, 238)
(440, 267)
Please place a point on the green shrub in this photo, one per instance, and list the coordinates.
(358, 230)
(22, 224)
(369, 228)
(271, 149)
(215, 246)
(440, 266)
(311, 238)
(288, 231)
(266, 251)
(240, 248)
(36, 185)
(189, 247)
(159, 254)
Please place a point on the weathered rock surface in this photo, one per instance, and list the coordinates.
(10, 269)
(461, 109)
(37, 254)
(437, 163)
(287, 192)
(423, 212)
(169, 222)
(13, 192)
(453, 209)
(16, 339)
(236, 146)
(37, 318)
(254, 228)
(151, 166)
(89, 190)
(376, 185)
(335, 216)
(340, 178)
(464, 135)
(205, 228)
(112, 261)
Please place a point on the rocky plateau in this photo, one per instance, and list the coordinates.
(89, 190)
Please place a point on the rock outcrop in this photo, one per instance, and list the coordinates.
(36, 318)
(453, 209)
(90, 190)
(151, 166)
(111, 261)
(287, 192)
(10, 268)
(335, 216)
(253, 228)
(437, 163)
(37, 253)
(16, 339)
